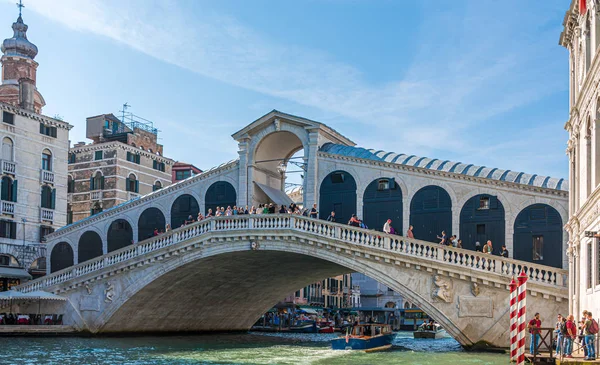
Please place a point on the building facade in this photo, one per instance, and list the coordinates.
(33, 185)
(123, 162)
(334, 292)
(581, 37)
(374, 294)
(182, 171)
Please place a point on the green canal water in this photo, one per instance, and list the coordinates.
(251, 348)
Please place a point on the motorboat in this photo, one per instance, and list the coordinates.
(365, 337)
(304, 327)
(429, 330)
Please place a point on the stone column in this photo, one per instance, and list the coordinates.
(243, 180)
(577, 267)
(311, 184)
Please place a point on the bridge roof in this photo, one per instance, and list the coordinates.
(331, 133)
(448, 166)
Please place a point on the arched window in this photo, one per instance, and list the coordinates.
(47, 160)
(70, 184)
(7, 149)
(8, 260)
(8, 189)
(97, 181)
(157, 185)
(96, 208)
(38, 265)
(48, 197)
(132, 184)
(61, 257)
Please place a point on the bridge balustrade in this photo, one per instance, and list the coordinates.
(469, 260)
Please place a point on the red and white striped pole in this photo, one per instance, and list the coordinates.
(521, 317)
(513, 319)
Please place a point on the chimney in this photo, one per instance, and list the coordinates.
(26, 89)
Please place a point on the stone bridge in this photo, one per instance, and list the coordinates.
(223, 273)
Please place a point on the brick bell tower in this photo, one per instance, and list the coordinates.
(19, 70)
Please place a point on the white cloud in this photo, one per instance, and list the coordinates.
(461, 76)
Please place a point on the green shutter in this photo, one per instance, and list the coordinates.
(14, 191)
(128, 156)
(41, 128)
(137, 159)
(137, 186)
(44, 198)
(102, 182)
(92, 183)
(53, 202)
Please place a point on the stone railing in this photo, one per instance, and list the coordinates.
(9, 167)
(47, 214)
(466, 261)
(7, 207)
(46, 177)
(96, 195)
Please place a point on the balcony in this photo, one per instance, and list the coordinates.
(7, 207)
(131, 195)
(96, 195)
(47, 214)
(9, 167)
(47, 177)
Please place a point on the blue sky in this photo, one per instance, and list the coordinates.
(476, 81)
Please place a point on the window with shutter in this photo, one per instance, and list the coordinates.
(98, 155)
(14, 191)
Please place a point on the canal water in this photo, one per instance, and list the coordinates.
(251, 348)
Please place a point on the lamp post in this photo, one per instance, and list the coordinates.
(24, 221)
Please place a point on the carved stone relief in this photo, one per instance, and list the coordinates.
(442, 289)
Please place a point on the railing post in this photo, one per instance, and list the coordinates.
(212, 225)
(250, 222)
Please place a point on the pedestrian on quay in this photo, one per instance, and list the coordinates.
(569, 336)
(590, 331)
(331, 217)
(558, 329)
(534, 329)
(410, 233)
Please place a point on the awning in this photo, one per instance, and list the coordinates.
(14, 273)
(34, 295)
(308, 311)
(277, 196)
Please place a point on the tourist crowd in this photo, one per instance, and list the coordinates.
(354, 221)
(568, 332)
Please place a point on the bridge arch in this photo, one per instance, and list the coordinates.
(151, 218)
(382, 200)
(538, 235)
(430, 213)
(277, 267)
(61, 256)
(184, 206)
(219, 194)
(338, 193)
(119, 235)
(89, 247)
(483, 218)
(271, 147)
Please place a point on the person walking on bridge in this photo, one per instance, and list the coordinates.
(410, 233)
(331, 217)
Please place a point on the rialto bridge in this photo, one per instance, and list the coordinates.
(206, 276)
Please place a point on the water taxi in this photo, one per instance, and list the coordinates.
(366, 337)
(429, 330)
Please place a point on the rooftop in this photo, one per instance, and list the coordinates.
(448, 166)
